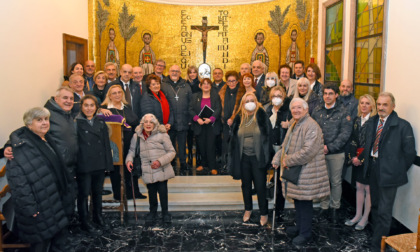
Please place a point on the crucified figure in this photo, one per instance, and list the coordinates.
(204, 29)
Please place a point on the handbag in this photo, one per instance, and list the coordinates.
(136, 160)
(292, 174)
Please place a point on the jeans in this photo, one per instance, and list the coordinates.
(335, 168)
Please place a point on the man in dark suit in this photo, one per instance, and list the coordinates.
(138, 74)
(89, 71)
(258, 69)
(132, 94)
(389, 152)
(299, 70)
(218, 82)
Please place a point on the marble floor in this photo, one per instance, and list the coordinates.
(217, 231)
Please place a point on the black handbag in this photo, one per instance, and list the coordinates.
(292, 174)
(136, 160)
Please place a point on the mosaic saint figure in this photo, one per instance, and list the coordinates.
(292, 54)
(260, 53)
(147, 57)
(111, 51)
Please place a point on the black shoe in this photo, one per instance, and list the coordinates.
(334, 216)
(88, 227)
(323, 213)
(139, 195)
(150, 217)
(98, 220)
(117, 197)
(300, 240)
(167, 218)
(254, 192)
(106, 192)
(292, 231)
(279, 218)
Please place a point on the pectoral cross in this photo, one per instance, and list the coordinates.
(204, 29)
(176, 97)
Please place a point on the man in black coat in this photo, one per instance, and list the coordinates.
(389, 152)
(299, 70)
(160, 66)
(258, 69)
(218, 82)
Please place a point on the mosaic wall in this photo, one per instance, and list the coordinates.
(139, 32)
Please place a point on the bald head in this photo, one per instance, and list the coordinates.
(346, 88)
(175, 73)
(257, 68)
(245, 68)
(89, 68)
(126, 72)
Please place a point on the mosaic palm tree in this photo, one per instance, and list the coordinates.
(102, 17)
(303, 19)
(127, 31)
(277, 24)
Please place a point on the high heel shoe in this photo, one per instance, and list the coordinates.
(263, 220)
(247, 216)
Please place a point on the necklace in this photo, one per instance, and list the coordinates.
(176, 93)
(249, 122)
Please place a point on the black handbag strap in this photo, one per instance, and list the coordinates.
(137, 146)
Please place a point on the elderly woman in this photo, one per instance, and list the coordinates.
(313, 73)
(271, 80)
(366, 109)
(289, 84)
(250, 152)
(94, 158)
(206, 128)
(115, 102)
(304, 91)
(303, 146)
(39, 184)
(101, 79)
(156, 153)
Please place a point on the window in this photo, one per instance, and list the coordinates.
(333, 43)
(368, 47)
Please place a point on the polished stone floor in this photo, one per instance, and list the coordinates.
(218, 231)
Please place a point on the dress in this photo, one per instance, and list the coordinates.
(358, 140)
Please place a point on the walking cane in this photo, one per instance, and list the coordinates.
(275, 197)
(134, 196)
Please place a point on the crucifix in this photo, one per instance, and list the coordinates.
(204, 29)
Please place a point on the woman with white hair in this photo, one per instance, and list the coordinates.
(39, 184)
(304, 91)
(156, 153)
(271, 80)
(303, 148)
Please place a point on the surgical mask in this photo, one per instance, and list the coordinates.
(276, 101)
(250, 106)
(271, 83)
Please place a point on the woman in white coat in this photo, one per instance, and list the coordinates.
(156, 153)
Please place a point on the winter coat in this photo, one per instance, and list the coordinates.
(283, 114)
(195, 108)
(180, 106)
(64, 134)
(235, 151)
(158, 146)
(241, 91)
(94, 147)
(336, 126)
(34, 187)
(396, 151)
(307, 149)
(151, 105)
(318, 89)
(313, 102)
(136, 96)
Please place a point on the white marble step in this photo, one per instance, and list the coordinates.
(199, 193)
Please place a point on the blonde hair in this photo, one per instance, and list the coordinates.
(303, 80)
(272, 74)
(99, 73)
(108, 94)
(243, 112)
(277, 88)
(372, 103)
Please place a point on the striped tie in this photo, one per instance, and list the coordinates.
(378, 135)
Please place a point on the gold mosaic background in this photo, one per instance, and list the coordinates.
(164, 21)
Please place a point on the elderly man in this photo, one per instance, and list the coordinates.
(258, 69)
(89, 71)
(178, 93)
(299, 70)
(389, 152)
(130, 87)
(76, 83)
(347, 98)
(336, 125)
(218, 82)
(245, 68)
(111, 71)
(138, 74)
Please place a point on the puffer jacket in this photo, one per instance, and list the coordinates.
(158, 146)
(34, 189)
(64, 134)
(336, 126)
(307, 149)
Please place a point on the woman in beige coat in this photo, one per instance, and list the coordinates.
(303, 145)
(156, 153)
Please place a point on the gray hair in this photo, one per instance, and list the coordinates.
(388, 94)
(110, 63)
(304, 103)
(35, 113)
(57, 93)
(154, 121)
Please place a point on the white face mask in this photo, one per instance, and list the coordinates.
(276, 101)
(250, 106)
(271, 83)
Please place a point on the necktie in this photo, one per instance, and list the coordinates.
(378, 135)
(256, 81)
(141, 89)
(127, 94)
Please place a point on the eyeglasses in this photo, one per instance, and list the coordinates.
(175, 71)
(232, 81)
(161, 65)
(115, 93)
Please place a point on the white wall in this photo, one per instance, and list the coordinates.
(401, 66)
(31, 62)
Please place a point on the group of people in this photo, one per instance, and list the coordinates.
(252, 121)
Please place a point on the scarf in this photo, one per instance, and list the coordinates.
(164, 105)
(145, 135)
